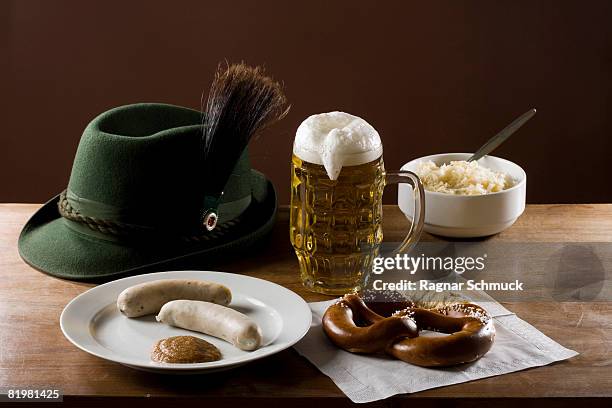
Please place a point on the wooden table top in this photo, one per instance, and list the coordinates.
(34, 353)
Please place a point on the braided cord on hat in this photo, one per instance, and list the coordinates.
(116, 228)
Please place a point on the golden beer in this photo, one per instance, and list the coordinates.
(336, 225)
(337, 182)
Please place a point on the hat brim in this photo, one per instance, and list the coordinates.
(47, 244)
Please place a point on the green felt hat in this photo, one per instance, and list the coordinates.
(137, 201)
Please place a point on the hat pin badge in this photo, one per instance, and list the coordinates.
(210, 216)
(210, 220)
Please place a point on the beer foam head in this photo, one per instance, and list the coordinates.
(336, 139)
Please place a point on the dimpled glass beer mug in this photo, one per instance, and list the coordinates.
(337, 182)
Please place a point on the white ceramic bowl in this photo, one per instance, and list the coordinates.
(468, 216)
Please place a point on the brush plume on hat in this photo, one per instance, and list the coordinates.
(242, 101)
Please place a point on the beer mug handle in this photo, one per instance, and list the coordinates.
(418, 218)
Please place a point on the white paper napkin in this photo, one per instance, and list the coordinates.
(366, 378)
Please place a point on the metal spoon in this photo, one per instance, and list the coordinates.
(504, 134)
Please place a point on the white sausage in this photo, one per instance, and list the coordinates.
(147, 298)
(214, 320)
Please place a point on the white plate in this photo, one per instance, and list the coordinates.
(92, 322)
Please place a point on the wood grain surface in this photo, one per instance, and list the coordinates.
(34, 353)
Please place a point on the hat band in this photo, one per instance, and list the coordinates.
(109, 229)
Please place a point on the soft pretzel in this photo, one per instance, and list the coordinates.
(353, 326)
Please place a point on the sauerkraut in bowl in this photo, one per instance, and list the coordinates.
(460, 177)
(466, 200)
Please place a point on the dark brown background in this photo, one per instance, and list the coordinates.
(430, 76)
